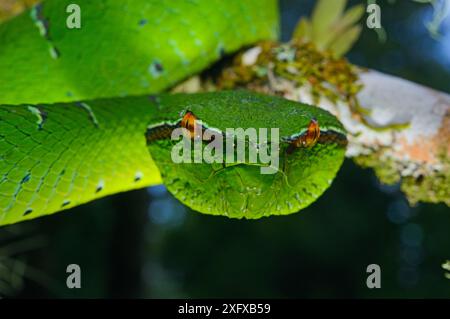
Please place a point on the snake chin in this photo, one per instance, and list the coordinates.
(239, 190)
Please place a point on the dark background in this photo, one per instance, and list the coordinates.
(146, 244)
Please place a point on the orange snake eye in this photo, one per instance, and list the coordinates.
(189, 121)
(309, 138)
(312, 134)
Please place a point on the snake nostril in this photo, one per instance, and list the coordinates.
(27, 212)
(100, 186)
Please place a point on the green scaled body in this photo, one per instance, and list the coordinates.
(124, 47)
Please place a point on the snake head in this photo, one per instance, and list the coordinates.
(245, 155)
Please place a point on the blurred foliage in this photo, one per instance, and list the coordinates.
(446, 267)
(441, 11)
(334, 28)
(331, 27)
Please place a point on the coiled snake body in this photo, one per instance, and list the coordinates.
(77, 105)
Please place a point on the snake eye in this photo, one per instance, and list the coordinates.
(312, 134)
(308, 139)
(189, 122)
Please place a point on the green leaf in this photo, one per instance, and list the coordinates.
(345, 41)
(303, 30)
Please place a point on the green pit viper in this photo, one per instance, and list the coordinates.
(79, 109)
